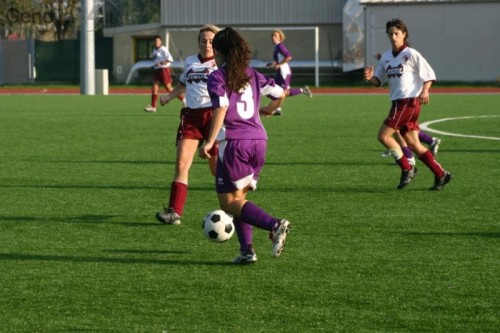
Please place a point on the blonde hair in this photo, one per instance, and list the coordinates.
(280, 33)
(208, 27)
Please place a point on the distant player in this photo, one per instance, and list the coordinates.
(283, 77)
(409, 77)
(163, 59)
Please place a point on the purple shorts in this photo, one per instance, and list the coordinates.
(283, 82)
(239, 164)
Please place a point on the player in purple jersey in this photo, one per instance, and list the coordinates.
(235, 90)
(283, 77)
(409, 77)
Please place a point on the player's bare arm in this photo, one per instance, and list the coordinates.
(424, 95)
(217, 121)
(369, 78)
(178, 91)
(268, 110)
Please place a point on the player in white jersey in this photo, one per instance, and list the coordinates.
(195, 121)
(163, 59)
(409, 77)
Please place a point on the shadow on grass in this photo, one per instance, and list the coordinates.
(80, 259)
(488, 234)
(138, 162)
(101, 219)
(104, 187)
(473, 151)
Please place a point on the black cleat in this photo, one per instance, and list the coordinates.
(406, 177)
(439, 183)
(169, 216)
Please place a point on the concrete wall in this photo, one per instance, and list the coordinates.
(460, 40)
(16, 61)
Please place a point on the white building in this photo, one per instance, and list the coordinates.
(459, 38)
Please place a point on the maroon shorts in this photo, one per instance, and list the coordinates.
(195, 125)
(162, 75)
(403, 115)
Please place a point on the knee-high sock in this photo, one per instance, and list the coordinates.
(256, 216)
(424, 137)
(154, 99)
(407, 152)
(295, 91)
(244, 233)
(432, 164)
(178, 196)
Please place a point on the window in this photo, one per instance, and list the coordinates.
(143, 48)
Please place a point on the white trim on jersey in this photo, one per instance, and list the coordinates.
(194, 78)
(161, 54)
(405, 74)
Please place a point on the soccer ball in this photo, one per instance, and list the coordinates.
(218, 226)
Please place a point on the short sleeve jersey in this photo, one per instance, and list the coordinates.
(405, 73)
(194, 78)
(280, 53)
(161, 54)
(242, 121)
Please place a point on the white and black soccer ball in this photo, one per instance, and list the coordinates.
(218, 226)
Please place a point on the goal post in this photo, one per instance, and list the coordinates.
(303, 43)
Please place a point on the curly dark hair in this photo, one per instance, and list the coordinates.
(236, 53)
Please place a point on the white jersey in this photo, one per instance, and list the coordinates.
(194, 77)
(161, 54)
(405, 73)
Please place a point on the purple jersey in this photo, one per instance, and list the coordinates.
(284, 73)
(242, 119)
(280, 52)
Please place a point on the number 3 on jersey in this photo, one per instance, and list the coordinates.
(245, 105)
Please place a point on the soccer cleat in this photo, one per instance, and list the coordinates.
(307, 91)
(169, 216)
(406, 177)
(439, 183)
(278, 112)
(245, 258)
(434, 146)
(385, 154)
(279, 237)
(411, 160)
(149, 108)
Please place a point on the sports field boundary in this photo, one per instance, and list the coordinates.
(40, 90)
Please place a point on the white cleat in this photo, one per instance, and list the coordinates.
(434, 146)
(306, 91)
(279, 237)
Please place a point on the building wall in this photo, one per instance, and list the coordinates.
(123, 47)
(178, 13)
(460, 40)
(182, 22)
(300, 42)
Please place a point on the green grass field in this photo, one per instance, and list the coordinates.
(80, 251)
